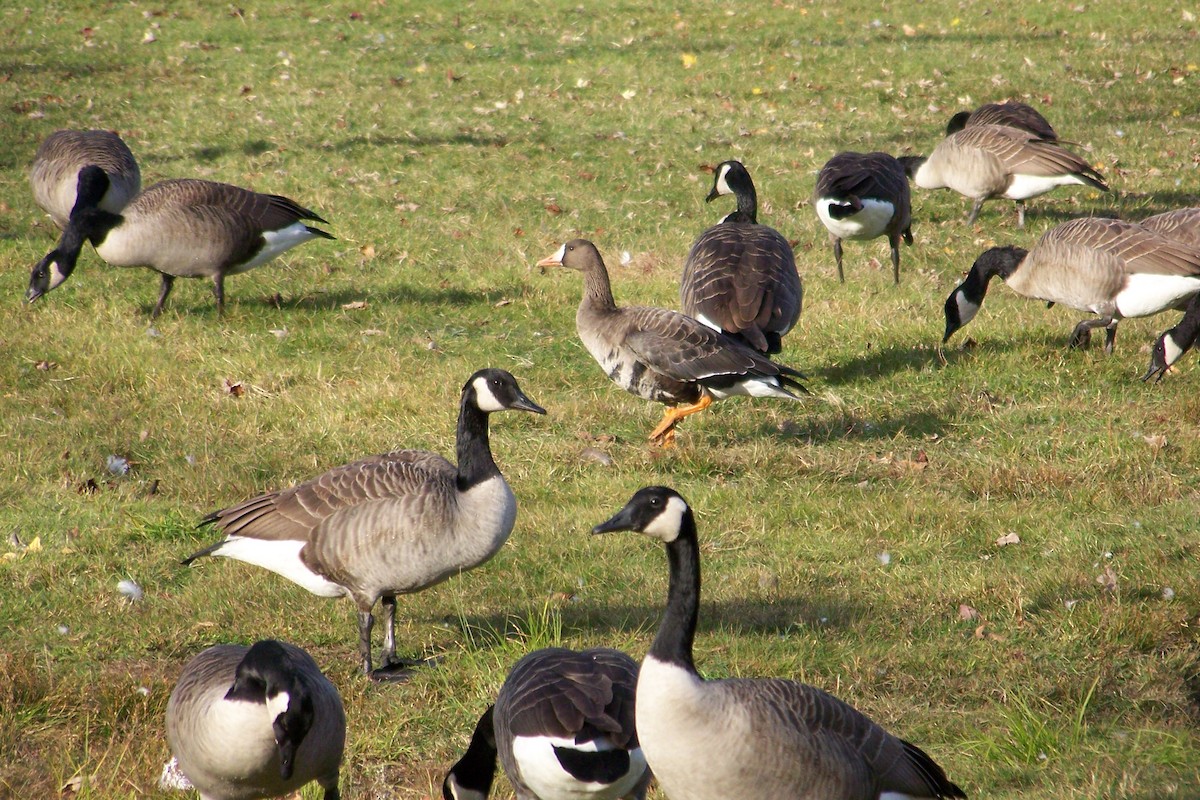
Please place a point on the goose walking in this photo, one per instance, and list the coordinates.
(753, 739)
(1108, 267)
(986, 161)
(1010, 113)
(563, 728)
(387, 525)
(178, 228)
(252, 722)
(54, 176)
(864, 196)
(739, 276)
(664, 356)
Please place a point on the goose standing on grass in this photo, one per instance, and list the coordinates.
(252, 722)
(664, 356)
(387, 525)
(179, 228)
(753, 739)
(863, 196)
(563, 728)
(1172, 344)
(1010, 113)
(1108, 267)
(740, 277)
(986, 161)
(54, 176)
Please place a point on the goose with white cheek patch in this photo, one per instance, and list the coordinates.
(863, 196)
(753, 739)
(1172, 344)
(739, 276)
(986, 161)
(562, 727)
(1108, 267)
(1010, 114)
(253, 722)
(178, 228)
(387, 525)
(54, 176)
(662, 355)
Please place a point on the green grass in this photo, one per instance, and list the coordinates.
(451, 147)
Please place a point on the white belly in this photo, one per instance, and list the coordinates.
(866, 224)
(1144, 295)
(542, 772)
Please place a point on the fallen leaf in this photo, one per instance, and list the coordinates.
(234, 388)
(1107, 579)
(1157, 441)
(966, 613)
(596, 455)
(502, 303)
(1007, 539)
(909, 30)
(553, 208)
(688, 59)
(368, 251)
(354, 305)
(35, 546)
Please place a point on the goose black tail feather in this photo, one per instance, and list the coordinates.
(935, 776)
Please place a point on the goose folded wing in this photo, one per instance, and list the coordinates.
(1142, 251)
(683, 349)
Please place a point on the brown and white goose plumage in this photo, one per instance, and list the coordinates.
(1010, 113)
(54, 176)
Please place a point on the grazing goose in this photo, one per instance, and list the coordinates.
(740, 277)
(1108, 267)
(985, 161)
(54, 175)
(863, 196)
(251, 722)
(753, 739)
(563, 728)
(1172, 344)
(1010, 113)
(662, 355)
(390, 524)
(1182, 224)
(179, 228)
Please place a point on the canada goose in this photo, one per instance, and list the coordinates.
(662, 355)
(260, 721)
(754, 739)
(390, 524)
(1010, 113)
(1182, 224)
(563, 728)
(1108, 267)
(740, 277)
(1172, 344)
(862, 196)
(54, 175)
(985, 161)
(179, 228)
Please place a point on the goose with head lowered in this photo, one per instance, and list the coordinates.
(387, 525)
(1010, 113)
(54, 176)
(662, 355)
(986, 161)
(254, 722)
(864, 196)
(179, 228)
(1170, 346)
(753, 739)
(1111, 268)
(563, 728)
(739, 276)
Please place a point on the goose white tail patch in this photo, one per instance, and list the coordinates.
(484, 398)
(866, 224)
(542, 772)
(281, 557)
(1149, 294)
(1022, 187)
(703, 320)
(754, 387)
(897, 796)
(276, 243)
(668, 522)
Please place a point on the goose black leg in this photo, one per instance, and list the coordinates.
(365, 623)
(391, 668)
(1020, 213)
(1082, 335)
(837, 254)
(975, 212)
(164, 289)
(219, 293)
(895, 244)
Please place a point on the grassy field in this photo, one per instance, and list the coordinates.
(849, 541)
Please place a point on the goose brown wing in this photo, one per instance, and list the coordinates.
(1182, 224)
(1013, 115)
(683, 349)
(862, 175)
(1021, 152)
(1141, 251)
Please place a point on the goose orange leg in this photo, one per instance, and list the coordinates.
(664, 434)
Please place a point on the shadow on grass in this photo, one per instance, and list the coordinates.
(203, 304)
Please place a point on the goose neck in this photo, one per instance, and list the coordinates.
(677, 633)
(475, 462)
(597, 289)
(747, 205)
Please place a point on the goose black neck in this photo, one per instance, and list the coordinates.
(999, 261)
(747, 204)
(1184, 334)
(676, 634)
(475, 462)
(477, 768)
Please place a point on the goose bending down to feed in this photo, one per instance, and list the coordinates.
(739, 276)
(1108, 267)
(1010, 113)
(178, 228)
(54, 176)
(864, 196)
(387, 525)
(1172, 344)
(253, 722)
(662, 355)
(753, 739)
(563, 729)
(1182, 224)
(986, 161)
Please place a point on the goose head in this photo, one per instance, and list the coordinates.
(912, 165)
(957, 122)
(86, 220)
(577, 254)
(471, 778)
(265, 676)
(965, 301)
(492, 390)
(656, 511)
(730, 177)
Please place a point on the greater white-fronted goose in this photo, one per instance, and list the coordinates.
(563, 728)
(387, 525)
(863, 196)
(1010, 113)
(739, 276)
(986, 161)
(178, 228)
(54, 176)
(753, 739)
(1111, 268)
(662, 355)
(252, 722)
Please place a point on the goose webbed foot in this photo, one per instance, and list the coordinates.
(398, 670)
(664, 434)
(1081, 336)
